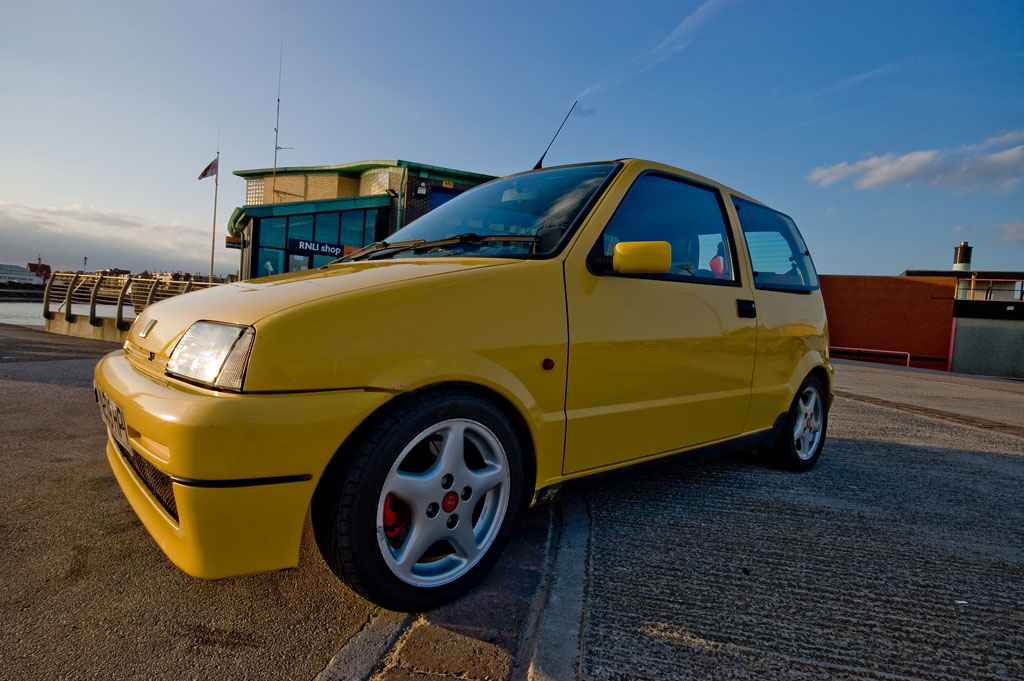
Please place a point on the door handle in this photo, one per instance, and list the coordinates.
(745, 308)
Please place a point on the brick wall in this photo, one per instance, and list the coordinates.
(907, 314)
(284, 188)
(395, 178)
(312, 187)
(373, 182)
(347, 187)
(321, 186)
(417, 205)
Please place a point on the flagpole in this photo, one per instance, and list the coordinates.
(216, 186)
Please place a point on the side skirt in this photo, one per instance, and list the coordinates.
(758, 440)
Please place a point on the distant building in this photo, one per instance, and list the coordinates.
(114, 272)
(40, 269)
(15, 274)
(302, 217)
(961, 320)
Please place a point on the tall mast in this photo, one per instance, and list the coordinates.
(277, 123)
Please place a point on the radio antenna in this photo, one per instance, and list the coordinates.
(540, 163)
(277, 124)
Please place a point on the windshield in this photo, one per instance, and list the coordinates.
(532, 211)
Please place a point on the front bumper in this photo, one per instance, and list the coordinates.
(241, 469)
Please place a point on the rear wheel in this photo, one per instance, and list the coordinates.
(803, 436)
(427, 503)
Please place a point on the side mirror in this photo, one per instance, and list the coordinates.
(637, 257)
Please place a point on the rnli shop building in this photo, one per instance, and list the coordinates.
(301, 218)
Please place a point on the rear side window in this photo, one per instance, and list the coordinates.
(688, 216)
(778, 254)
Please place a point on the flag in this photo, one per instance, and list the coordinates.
(210, 170)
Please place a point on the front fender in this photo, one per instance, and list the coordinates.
(546, 427)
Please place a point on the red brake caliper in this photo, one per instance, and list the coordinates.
(396, 516)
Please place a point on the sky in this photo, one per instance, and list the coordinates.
(889, 131)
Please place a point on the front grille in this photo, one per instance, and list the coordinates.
(140, 359)
(157, 482)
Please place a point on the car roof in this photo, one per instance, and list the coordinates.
(656, 166)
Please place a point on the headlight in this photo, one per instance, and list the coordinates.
(212, 354)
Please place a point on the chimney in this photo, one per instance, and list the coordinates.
(962, 258)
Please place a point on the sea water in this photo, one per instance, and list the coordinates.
(25, 313)
(30, 313)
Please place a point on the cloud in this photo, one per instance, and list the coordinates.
(1012, 231)
(891, 169)
(63, 235)
(1001, 171)
(89, 214)
(959, 229)
(894, 67)
(875, 171)
(996, 141)
(677, 40)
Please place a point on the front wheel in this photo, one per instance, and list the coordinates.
(427, 503)
(803, 436)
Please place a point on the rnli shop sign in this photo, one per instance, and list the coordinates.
(314, 248)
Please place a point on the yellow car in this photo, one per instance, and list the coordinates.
(417, 394)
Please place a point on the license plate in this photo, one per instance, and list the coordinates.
(113, 416)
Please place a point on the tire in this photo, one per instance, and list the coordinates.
(425, 506)
(799, 446)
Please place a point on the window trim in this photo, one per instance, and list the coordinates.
(597, 249)
(807, 252)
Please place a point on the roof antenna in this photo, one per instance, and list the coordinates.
(540, 163)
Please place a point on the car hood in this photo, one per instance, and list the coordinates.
(249, 301)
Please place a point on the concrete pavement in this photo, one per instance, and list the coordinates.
(85, 593)
(898, 556)
(975, 399)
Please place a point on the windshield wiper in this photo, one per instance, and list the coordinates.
(376, 247)
(472, 237)
(388, 249)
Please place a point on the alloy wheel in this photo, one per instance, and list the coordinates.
(443, 502)
(807, 430)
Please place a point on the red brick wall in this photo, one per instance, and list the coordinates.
(909, 314)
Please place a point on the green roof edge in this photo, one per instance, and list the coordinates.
(362, 166)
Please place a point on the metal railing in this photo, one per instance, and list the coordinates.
(101, 296)
(1006, 290)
